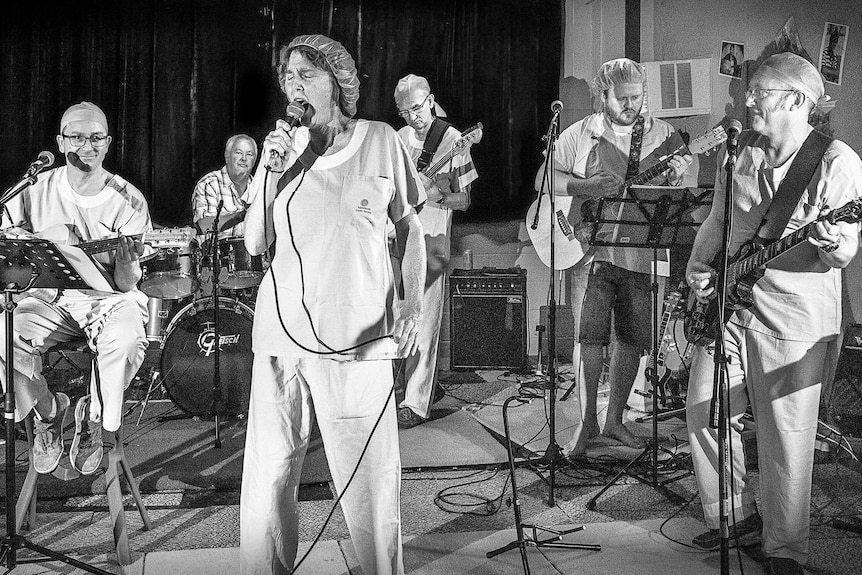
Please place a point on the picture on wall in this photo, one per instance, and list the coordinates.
(832, 50)
(732, 57)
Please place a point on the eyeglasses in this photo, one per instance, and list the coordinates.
(761, 93)
(414, 110)
(79, 140)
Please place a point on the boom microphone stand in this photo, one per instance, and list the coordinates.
(218, 402)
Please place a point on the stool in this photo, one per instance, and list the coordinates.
(117, 464)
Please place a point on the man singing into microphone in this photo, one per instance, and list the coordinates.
(81, 197)
(325, 333)
(779, 352)
(428, 138)
(593, 158)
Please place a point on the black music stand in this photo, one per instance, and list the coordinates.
(29, 263)
(645, 217)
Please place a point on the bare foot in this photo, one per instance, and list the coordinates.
(623, 435)
(578, 444)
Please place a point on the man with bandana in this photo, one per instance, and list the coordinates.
(591, 161)
(325, 329)
(449, 190)
(84, 198)
(229, 184)
(782, 349)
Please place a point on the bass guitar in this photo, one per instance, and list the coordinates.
(470, 136)
(570, 231)
(746, 267)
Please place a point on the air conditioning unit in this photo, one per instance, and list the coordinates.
(679, 87)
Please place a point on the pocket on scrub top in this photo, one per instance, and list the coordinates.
(364, 201)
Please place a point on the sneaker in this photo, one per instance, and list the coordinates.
(86, 450)
(783, 566)
(747, 532)
(408, 418)
(48, 437)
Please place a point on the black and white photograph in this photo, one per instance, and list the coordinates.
(833, 47)
(732, 58)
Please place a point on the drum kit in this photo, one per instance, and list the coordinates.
(181, 327)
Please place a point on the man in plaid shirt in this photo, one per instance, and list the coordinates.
(230, 184)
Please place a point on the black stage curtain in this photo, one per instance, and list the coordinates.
(177, 77)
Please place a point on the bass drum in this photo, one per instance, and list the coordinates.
(188, 361)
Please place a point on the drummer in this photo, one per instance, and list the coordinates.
(229, 184)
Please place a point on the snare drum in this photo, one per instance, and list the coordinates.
(171, 274)
(239, 269)
(187, 363)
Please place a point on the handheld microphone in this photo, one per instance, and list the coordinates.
(294, 112)
(43, 162)
(556, 106)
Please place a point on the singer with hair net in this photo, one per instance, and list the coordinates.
(593, 158)
(83, 199)
(326, 328)
(784, 347)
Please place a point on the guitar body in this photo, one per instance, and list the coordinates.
(701, 318)
(570, 239)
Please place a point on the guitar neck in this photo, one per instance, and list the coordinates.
(435, 167)
(99, 246)
(653, 171)
(768, 253)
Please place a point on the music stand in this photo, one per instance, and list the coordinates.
(29, 263)
(645, 217)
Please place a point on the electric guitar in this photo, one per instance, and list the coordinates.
(746, 267)
(570, 232)
(468, 137)
(666, 339)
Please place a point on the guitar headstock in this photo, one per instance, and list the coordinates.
(850, 212)
(706, 143)
(468, 137)
(166, 238)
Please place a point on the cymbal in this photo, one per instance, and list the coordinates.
(226, 221)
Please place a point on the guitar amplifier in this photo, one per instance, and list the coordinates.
(846, 400)
(488, 318)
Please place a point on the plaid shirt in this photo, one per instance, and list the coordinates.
(212, 188)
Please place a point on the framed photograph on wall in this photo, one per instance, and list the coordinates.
(731, 59)
(832, 50)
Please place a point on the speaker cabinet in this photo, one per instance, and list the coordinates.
(846, 400)
(488, 319)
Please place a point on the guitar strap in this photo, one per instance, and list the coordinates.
(432, 142)
(635, 149)
(794, 183)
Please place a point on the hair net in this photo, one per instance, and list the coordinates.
(341, 65)
(799, 74)
(619, 71)
(84, 112)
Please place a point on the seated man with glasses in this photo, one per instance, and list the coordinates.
(428, 138)
(92, 203)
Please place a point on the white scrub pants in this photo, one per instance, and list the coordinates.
(347, 398)
(782, 379)
(113, 326)
(420, 369)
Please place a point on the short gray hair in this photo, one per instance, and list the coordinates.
(231, 142)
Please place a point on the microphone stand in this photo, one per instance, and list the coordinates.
(218, 403)
(552, 453)
(720, 391)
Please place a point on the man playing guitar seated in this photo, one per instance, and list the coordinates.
(93, 203)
